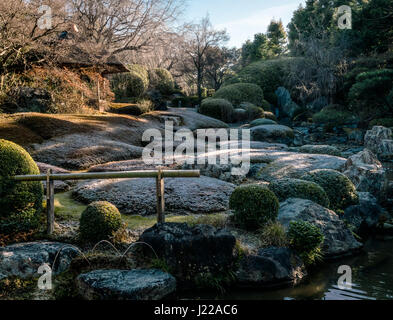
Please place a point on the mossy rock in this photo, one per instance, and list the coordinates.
(302, 189)
(270, 115)
(99, 221)
(320, 149)
(261, 122)
(254, 206)
(340, 190)
(20, 202)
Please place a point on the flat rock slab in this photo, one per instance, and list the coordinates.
(126, 285)
(138, 196)
(338, 238)
(22, 260)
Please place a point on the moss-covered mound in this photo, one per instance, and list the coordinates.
(99, 221)
(340, 190)
(20, 202)
(320, 149)
(296, 188)
(261, 122)
(254, 206)
(241, 92)
(220, 109)
(253, 112)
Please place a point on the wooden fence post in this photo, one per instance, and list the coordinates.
(160, 190)
(50, 203)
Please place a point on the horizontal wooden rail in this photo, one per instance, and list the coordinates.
(159, 175)
(111, 175)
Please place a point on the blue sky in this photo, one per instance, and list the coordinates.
(242, 19)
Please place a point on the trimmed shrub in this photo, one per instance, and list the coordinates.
(261, 122)
(320, 149)
(340, 190)
(220, 109)
(332, 117)
(162, 80)
(142, 107)
(266, 105)
(296, 188)
(268, 75)
(306, 239)
(99, 221)
(185, 102)
(385, 122)
(20, 202)
(133, 84)
(370, 94)
(254, 206)
(241, 92)
(253, 112)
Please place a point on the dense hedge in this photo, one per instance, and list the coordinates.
(254, 206)
(253, 112)
(20, 202)
(296, 188)
(220, 109)
(99, 221)
(185, 102)
(241, 92)
(340, 190)
(131, 84)
(268, 75)
(162, 80)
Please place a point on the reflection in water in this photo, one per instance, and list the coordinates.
(372, 278)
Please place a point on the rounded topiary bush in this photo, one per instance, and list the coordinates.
(20, 202)
(261, 122)
(241, 92)
(340, 190)
(296, 188)
(253, 112)
(266, 105)
(132, 84)
(99, 221)
(254, 206)
(162, 80)
(220, 109)
(306, 239)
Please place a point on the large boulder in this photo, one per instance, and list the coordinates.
(365, 216)
(338, 238)
(22, 260)
(380, 141)
(269, 268)
(272, 133)
(320, 149)
(126, 285)
(285, 103)
(281, 164)
(138, 196)
(191, 250)
(366, 172)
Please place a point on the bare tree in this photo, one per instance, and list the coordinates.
(110, 27)
(199, 39)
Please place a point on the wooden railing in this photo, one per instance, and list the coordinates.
(159, 175)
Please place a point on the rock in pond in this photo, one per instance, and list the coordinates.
(338, 238)
(271, 267)
(366, 172)
(135, 284)
(138, 196)
(272, 133)
(22, 260)
(365, 216)
(189, 250)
